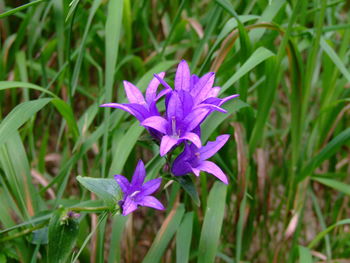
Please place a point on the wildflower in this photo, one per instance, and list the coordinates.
(137, 193)
(139, 106)
(194, 159)
(176, 127)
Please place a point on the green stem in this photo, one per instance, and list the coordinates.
(22, 233)
(90, 209)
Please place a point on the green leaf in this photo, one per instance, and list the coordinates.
(17, 84)
(165, 234)
(67, 114)
(63, 232)
(105, 188)
(18, 116)
(326, 231)
(339, 186)
(40, 236)
(216, 118)
(183, 238)
(211, 229)
(187, 184)
(335, 58)
(259, 55)
(22, 7)
(330, 149)
(305, 255)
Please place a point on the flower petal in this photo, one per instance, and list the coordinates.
(137, 110)
(196, 171)
(203, 86)
(156, 122)
(212, 148)
(151, 91)
(211, 107)
(151, 186)
(186, 102)
(213, 169)
(174, 107)
(133, 93)
(224, 100)
(192, 137)
(214, 92)
(139, 175)
(166, 144)
(181, 165)
(129, 206)
(151, 201)
(182, 76)
(193, 119)
(162, 81)
(123, 183)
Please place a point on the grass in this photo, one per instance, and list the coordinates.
(287, 159)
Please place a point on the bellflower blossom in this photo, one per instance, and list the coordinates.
(137, 193)
(194, 159)
(139, 106)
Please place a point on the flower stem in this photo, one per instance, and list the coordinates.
(90, 209)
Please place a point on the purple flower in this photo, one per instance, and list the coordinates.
(139, 106)
(179, 123)
(200, 89)
(138, 193)
(194, 159)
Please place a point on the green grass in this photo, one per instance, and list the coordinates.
(287, 159)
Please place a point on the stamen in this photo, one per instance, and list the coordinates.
(134, 193)
(197, 154)
(173, 125)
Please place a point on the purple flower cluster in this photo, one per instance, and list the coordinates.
(187, 106)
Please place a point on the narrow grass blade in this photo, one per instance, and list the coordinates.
(18, 116)
(183, 238)
(305, 255)
(165, 234)
(20, 8)
(330, 149)
(336, 185)
(213, 219)
(259, 55)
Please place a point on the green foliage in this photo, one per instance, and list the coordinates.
(286, 160)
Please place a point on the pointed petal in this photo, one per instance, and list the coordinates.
(156, 122)
(162, 93)
(213, 169)
(194, 80)
(137, 110)
(151, 91)
(151, 201)
(211, 107)
(174, 108)
(180, 165)
(162, 81)
(226, 99)
(214, 92)
(196, 171)
(129, 206)
(193, 119)
(166, 144)
(139, 175)
(202, 88)
(212, 148)
(133, 93)
(186, 102)
(123, 183)
(192, 137)
(151, 186)
(182, 76)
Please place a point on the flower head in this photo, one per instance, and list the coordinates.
(139, 106)
(194, 159)
(137, 193)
